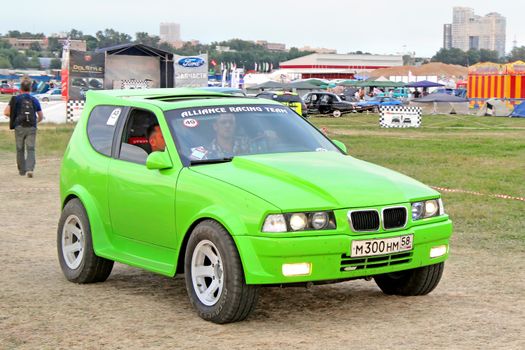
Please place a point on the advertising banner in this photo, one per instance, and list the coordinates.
(86, 72)
(191, 71)
(400, 117)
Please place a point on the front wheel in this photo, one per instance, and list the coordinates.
(418, 281)
(215, 277)
(77, 258)
(336, 113)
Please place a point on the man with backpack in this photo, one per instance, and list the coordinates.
(24, 112)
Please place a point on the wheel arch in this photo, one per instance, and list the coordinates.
(184, 243)
(96, 224)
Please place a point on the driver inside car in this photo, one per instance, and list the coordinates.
(227, 144)
(155, 138)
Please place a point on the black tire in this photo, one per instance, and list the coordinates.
(92, 268)
(237, 299)
(418, 281)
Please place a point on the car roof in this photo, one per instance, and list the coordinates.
(169, 98)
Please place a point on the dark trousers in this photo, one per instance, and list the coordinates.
(25, 143)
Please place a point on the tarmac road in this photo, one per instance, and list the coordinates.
(480, 303)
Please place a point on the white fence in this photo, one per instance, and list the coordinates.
(54, 112)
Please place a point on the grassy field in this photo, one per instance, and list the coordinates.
(5, 98)
(459, 152)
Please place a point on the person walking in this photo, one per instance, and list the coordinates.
(24, 112)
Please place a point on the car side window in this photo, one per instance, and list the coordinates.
(140, 137)
(101, 128)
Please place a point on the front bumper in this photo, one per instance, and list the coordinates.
(263, 257)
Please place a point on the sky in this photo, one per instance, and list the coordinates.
(376, 26)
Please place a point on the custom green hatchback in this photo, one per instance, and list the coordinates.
(237, 193)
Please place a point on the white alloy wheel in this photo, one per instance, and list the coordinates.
(207, 272)
(73, 242)
(336, 113)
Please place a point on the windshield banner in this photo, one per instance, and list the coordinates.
(204, 111)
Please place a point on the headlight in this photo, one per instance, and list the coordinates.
(292, 222)
(298, 221)
(319, 220)
(275, 223)
(427, 209)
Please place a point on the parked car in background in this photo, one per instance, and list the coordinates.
(10, 89)
(328, 103)
(401, 92)
(50, 95)
(379, 101)
(290, 99)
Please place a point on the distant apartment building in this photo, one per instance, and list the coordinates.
(170, 32)
(23, 44)
(471, 31)
(26, 43)
(74, 44)
(272, 46)
(323, 50)
(447, 36)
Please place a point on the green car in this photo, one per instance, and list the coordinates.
(236, 193)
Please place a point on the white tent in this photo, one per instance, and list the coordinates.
(495, 108)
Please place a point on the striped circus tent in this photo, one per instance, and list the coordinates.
(492, 80)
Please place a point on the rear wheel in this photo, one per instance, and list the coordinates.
(418, 281)
(45, 99)
(336, 113)
(77, 258)
(215, 277)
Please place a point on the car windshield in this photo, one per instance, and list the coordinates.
(222, 132)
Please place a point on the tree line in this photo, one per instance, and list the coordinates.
(473, 56)
(242, 53)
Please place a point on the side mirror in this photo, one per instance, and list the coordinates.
(159, 160)
(340, 145)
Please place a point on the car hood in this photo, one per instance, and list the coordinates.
(316, 180)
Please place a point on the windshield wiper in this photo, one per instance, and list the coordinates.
(211, 161)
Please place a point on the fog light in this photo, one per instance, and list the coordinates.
(299, 269)
(438, 251)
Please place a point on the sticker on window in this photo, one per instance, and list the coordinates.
(198, 153)
(320, 149)
(113, 117)
(190, 123)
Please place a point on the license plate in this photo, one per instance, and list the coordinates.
(371, 247)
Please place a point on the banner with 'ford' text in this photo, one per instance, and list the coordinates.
(191, 71)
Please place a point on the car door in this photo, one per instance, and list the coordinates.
(142, 200)
(56, 95)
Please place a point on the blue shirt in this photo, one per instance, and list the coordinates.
(36, 105)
